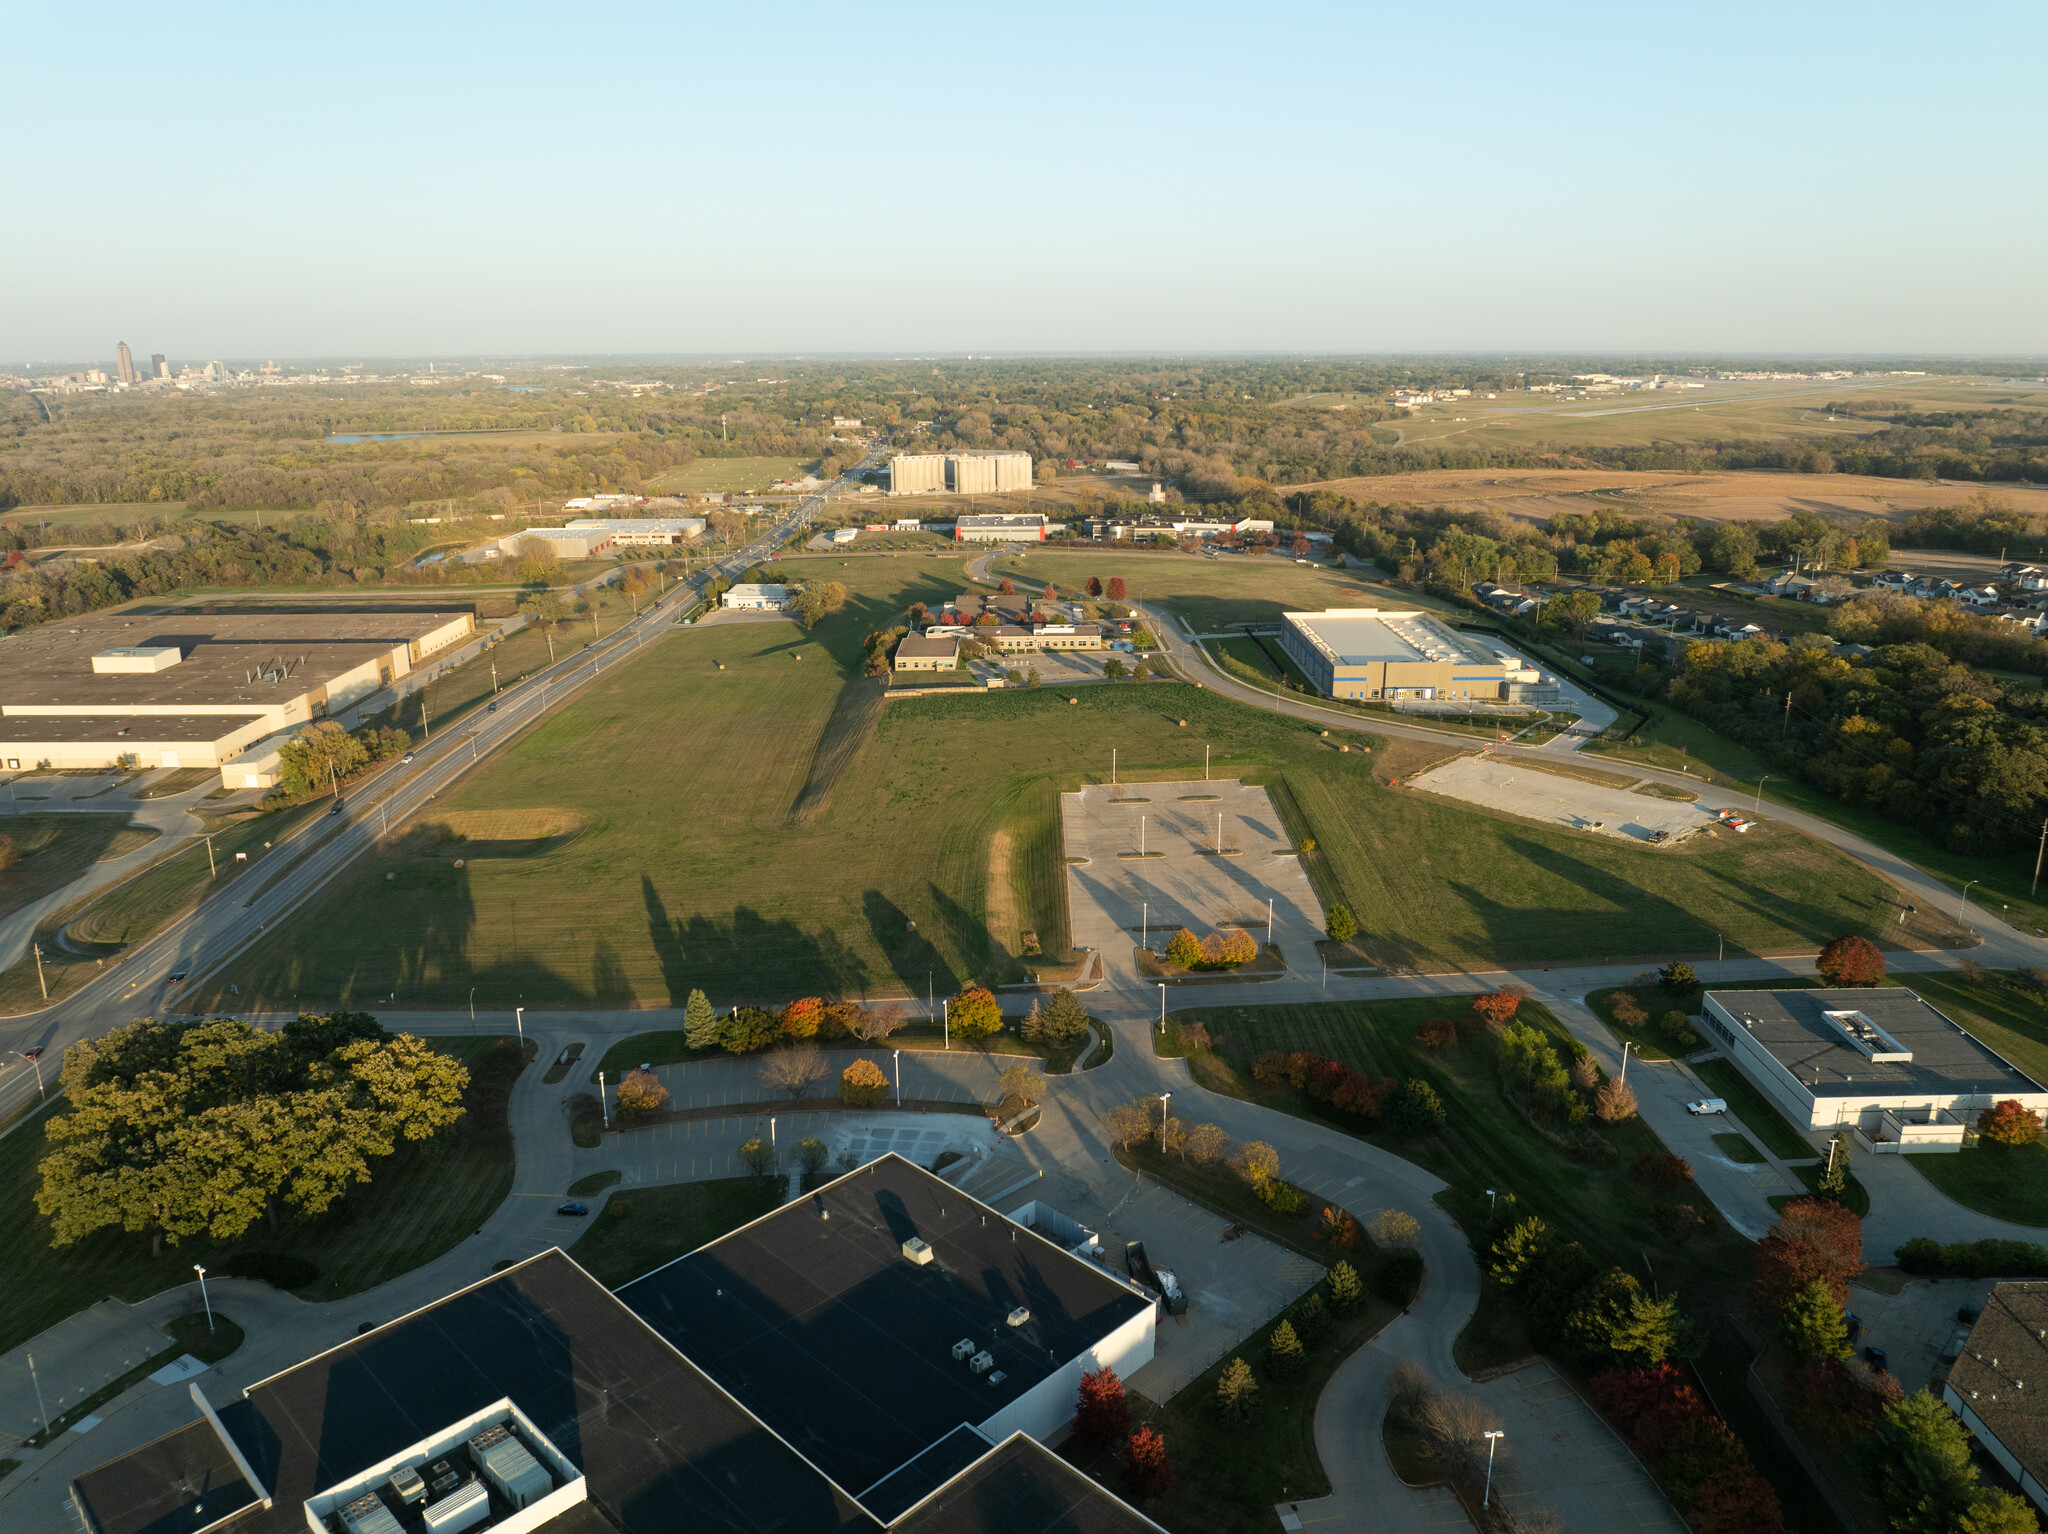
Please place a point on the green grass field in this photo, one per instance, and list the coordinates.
(423, 1199)
(40, 854)
(890, 882)
(1212, 594)
(720, 476)
(636, 1232)
(2008, 1182)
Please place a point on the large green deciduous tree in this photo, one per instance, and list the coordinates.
(184, 1128)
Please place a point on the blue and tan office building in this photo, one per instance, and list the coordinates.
(1372, 653)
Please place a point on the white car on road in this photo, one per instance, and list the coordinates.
(1707, 1105)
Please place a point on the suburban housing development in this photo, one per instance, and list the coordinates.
(196, 690)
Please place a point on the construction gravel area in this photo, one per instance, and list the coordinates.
(1502, 784)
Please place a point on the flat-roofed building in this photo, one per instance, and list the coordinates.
(1021, 528)
(567, 542)
(1880, 1060)
(640, 532)
(917, 473)
(1366, 652)
(883, 1354)
(757, 598)
(195, 689)
(1998, 1383)
(938, 650)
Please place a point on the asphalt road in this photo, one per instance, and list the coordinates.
(138, 983)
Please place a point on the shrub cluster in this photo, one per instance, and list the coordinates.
(1702, 1464)
(1326, 1081)
(1925, 1258)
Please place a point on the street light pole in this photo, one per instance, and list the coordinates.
(518, 1020)
(1963, 905)
(1760, 782)
(1624, 1062)
(946, 1020)
(196, 1268)
(1162, 1006)
(39, 1393)
(603, 1101)
(472, 1009)
(899, 1078)
(1493, 1438)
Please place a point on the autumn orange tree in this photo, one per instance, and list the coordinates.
(975, 1013)
(1184, 949)
(1103, 1413)
(800, 1019)
(1851, 961)
(862, 1084)
(641, 1093)
(2009, 1123)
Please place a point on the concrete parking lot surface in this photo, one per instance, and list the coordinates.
(1233, 1287)
(1502, 784)
(1916, 1325)
(1115, 900)
(74, 1358)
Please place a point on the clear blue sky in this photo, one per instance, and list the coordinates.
(216, 181)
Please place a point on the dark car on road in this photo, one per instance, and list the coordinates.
(33, 1054)
(339, 805)
(577, 1210)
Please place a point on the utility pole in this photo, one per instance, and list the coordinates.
(1787, 724)
(2037, 858)
(494, 679)
(45, 984)
(39, 1394)
(212, 868)
(426, 734)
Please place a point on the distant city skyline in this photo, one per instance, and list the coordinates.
(1780, 181)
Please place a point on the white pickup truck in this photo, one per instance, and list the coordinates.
(1707, 1105)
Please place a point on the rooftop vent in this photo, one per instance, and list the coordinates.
(963, 1350)
(128, 660)
(463, 1508)
(368, 1515)
(1019, 1316)
(918, 1250)
(997, 1378)
(982, 1362)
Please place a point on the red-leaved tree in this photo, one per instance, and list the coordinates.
(1815, 1238)
(1008, 588)
(1851, 961)
(1052, 592)
(2009, 1123)
(1102, 1414)
(1147, 1470)
(800, 1019)
(1094, 586)
(1496, 1006)
(1115, 590)
(1647, 1404)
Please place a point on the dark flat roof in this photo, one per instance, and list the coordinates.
(181, 1483)
(664, 1450)
(1946, 1060)
(140, 728)
(908, 1485)
(814, 1318)
(1021, 1487)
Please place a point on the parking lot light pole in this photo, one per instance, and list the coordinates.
(472, 1009)
(1162, 1006)
(208, 1303)
(1624, 1062)
(1760, 782)
(899, 1078)
(518, 1020)
(39, 1393)
(1493, 1439)
(604, 1102)
(946, 1021)
(1964, 904)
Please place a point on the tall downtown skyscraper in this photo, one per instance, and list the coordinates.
(124, 363)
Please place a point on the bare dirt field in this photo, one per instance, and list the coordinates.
(1538, 494)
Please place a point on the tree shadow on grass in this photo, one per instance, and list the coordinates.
(751, 954)
(913, 958)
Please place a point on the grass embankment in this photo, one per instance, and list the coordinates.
(892, 882)
(1487, 1143)
(2008, 1182)
(722, 476)
(637, 1232)
(40, 854)
(423, 1200)
(81, 940)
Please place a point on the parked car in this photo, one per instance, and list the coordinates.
(577, 1210)
(1878, 1358)
(1707, 1105)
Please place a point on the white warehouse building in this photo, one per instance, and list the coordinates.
(1878, 1060)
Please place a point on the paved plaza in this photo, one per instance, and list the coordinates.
(1116, 899)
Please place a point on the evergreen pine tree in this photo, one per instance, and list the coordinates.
(700, 1022)
(1033, 1026)
(1237, 1392)
(1345, 1289)
(1283, 1350)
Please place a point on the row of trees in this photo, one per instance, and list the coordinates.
(183, 1129)
(323, 757)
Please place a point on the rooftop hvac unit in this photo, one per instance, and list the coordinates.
(367, 1514)
(519, 1477)
(918, 1250)
(1019, 1316)
(997, 1378)
(464, 1508)
(407, 1486)
(982, 1362)
(963, 1350)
